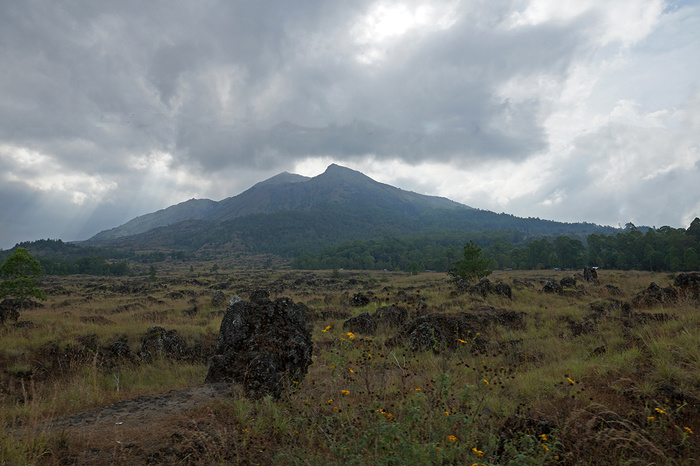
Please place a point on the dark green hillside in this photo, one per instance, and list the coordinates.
(188, 210)
(290, 233)
(290, 215)
(59, 258)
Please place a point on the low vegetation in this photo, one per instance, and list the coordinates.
(586, 375)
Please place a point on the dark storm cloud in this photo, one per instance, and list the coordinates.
(170, 98)
(116, 78)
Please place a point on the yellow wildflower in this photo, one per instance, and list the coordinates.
(418, 389)
(687, 429)
(486, 381)
(345, 392)
(351, 370)
(451, 438)
(570, 381)
(351, 335)
(660, 411)
(545, 447)
(326, 329)
(650, 418)
(331, 400)
(460, 340)
(447, 413)
(543, 437)
(477, 452)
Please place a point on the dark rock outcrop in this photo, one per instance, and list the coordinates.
(384, 316)
(158, 342)
(9, 311)
(485, 287)
(363, 324)
(654, 295)
(504, 289)
(550, 286)
(590, 275)
(567, 282)
(219, 298)
(688, 284)
(260, 297)
(359, 300)
(448, 331)
(390, 316)
(263, 345)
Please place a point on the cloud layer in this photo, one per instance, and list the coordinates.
(568, 110)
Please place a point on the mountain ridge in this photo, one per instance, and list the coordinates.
(287, 192)
(291, 214)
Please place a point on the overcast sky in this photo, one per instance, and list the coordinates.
(570, 110)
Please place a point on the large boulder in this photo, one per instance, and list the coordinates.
(264, 345)
(567, 282)
(551, 286)
(447, 331)
(158, 342)
(359, 300)
(504, 290)
(654, 295)
(384, 316)
(688, 284)
(363, 324)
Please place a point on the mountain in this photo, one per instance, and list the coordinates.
(194, 209)
(288, 192)
(289, 214)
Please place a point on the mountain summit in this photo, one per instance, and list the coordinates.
(336, 187)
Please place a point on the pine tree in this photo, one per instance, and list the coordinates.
(472, 266)
(19, 272)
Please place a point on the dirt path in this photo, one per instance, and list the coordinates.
(143, 409)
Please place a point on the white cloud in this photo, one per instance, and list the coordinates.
(626, 21)
(44, 173)
(387, 22)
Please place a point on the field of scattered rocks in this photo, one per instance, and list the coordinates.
(546, 367)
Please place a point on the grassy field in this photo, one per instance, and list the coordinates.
(585, 379)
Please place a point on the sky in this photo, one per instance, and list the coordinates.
(569, 110)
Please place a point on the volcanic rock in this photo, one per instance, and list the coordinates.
(590, 274)
(219, 298)
(654, 295)
(263, 345)
(363, 324)
(551, 286)
(359, 300)
(688, 284)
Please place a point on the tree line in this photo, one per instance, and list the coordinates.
(664, 249)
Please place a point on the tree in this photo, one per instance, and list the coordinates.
(471, 266)
(20, 271)
(571, 252)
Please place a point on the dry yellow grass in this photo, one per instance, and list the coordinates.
(517, 398)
